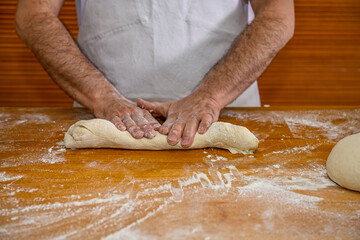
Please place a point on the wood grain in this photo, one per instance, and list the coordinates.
(319, 66)
(280, 192)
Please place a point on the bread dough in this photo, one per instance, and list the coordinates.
(100, 133)
(343, 164)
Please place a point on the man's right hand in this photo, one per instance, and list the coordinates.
(38, 25)
(127, 116)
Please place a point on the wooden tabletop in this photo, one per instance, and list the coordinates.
(280, 192)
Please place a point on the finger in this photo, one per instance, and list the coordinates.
(167, 125)
(205, 123)
(150, 106)
(189, 131)
(154, 123)
(154, 107)
(144, 125)
(118, 123)
(176, 132)
(132, 128)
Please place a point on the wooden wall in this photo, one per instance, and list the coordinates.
(319, 66)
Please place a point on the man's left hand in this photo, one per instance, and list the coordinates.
(185, 117)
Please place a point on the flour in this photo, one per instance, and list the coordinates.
(267, 189)
(216, 158)
(52, 155)
(120, 234)
(304, 123)
(13, 120)
(66, 205)
(4, 117)
(177, 191)
(260, 117)
(322, 126)
(296, 150)
(4, 177)
(149, 199)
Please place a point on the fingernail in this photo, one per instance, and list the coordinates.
(121, 127)
(157, 126)
(150, 134)
(185, 141)
(172, 137)
(163, 130)
(138, 133)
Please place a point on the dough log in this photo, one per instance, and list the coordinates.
(99, 133)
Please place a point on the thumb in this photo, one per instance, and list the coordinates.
(156, 108)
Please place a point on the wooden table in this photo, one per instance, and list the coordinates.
(280, 192)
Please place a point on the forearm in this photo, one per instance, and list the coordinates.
(61, 58)
(249, 56)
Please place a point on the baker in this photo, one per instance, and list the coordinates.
(183, 60)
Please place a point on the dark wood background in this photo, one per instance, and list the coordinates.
(319, 66)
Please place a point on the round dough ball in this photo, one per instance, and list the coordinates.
(343, 164)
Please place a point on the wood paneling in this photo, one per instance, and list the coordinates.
(23, 82)
(319, 66)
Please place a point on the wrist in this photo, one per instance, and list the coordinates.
(203, 93)
(103, 98)
(214, 93)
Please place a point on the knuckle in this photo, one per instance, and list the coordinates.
(113, 118)
(186, 113)
(172, 116)
(208, 117)
(133, 128)
(128, 109)
(127, 120)
(195, 118)
(145, 126)
(166, 123)
(174, 132)
(179, 122)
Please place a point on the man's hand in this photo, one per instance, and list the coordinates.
(184, 117)
(38, 25)
(127, 116)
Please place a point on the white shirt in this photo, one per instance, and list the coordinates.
(161, 50)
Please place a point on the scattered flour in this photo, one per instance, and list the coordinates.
(333, 124)
(4, 177)
(12, 120)
(216, 158)
(268, 190)
(52, 156)
(148, 199)
(316, 125)
(35, 118)
(295, 150)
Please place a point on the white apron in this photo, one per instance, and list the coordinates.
(160, 50)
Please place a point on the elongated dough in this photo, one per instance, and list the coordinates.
(99, 133)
